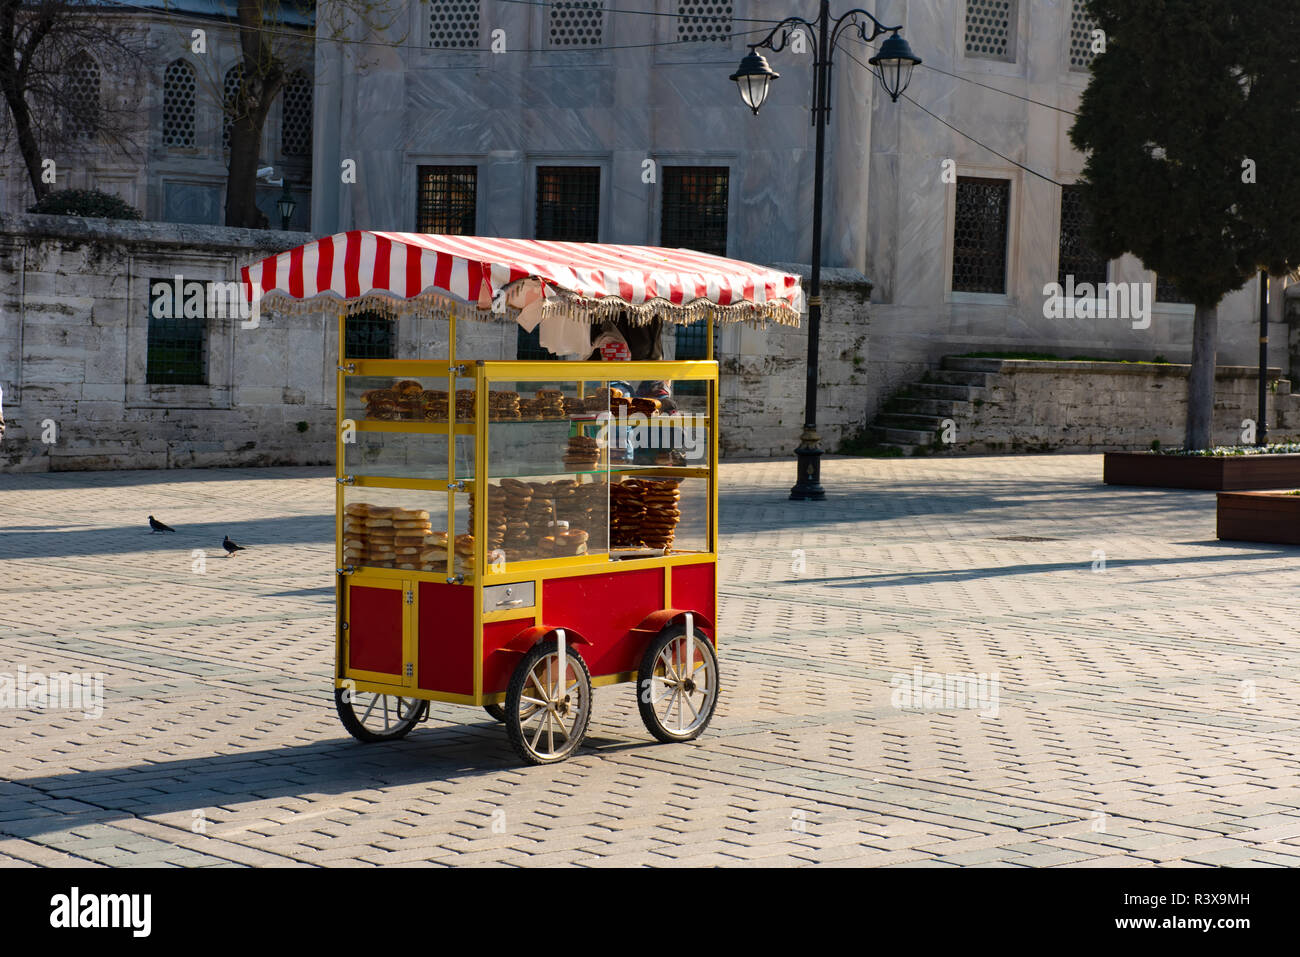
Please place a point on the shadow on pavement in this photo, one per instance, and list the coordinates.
(63, 541)
(337, 766)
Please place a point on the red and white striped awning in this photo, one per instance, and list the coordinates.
(412, 273)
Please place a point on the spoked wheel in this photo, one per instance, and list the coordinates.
(374, 717)
(676, 697)
(496, 711)
(546, 713)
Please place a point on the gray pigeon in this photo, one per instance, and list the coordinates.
(230, 546)
(157, 526)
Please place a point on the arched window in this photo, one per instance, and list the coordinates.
(179, 86)
(230, 96)
(81, 95)
(295, 115)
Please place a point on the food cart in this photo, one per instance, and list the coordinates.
(511, 534)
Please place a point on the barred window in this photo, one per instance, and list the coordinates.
(230, 100)
(990, 29)
(295, 115)
(81, 95)
(453, 24)
(576, 23)
(448, 200)
(694, 214)
(1167, 291)
(1078, 259)
(1081, 27)
(568, 203)
(979, 259)
(179, 87)
(177, 343)
(703, 20)
(369, 335)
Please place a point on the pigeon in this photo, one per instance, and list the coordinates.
(157, 526)
(230, 546)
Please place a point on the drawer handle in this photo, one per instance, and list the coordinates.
(510, 601)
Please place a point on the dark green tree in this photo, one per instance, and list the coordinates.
(1191, 126)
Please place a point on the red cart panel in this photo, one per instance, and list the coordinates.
(693, 588)
(605, 609)
(446, 638)
(375, 629)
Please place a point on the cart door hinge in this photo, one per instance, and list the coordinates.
(455, 486)
(410, 669)
(348, 367)
(346, 569)
(347, 480)
(458, 369)
(455, 579)
(410, 597)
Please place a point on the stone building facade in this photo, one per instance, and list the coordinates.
(172, 163)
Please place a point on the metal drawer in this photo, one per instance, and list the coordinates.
(507, 597)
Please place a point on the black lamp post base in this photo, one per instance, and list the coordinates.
(808, 487)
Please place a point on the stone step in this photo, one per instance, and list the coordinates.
(889, 436)
(896, 420)
(957, 393)
(956, 364)
(944, 408)
(958, 377)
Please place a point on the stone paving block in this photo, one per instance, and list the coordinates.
(1119, 691)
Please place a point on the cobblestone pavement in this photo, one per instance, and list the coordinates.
(1146, 707)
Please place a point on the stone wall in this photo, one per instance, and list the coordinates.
(74, 304)
(1035, 406)
(764, 378)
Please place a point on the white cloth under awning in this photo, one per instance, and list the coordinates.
(565, 336)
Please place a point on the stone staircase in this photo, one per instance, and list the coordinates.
(912, 421)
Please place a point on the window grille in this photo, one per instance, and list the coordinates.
(370, 336)
(230, 101)
(1081, 27)
(703, 20)
(694, 214)
(990, 29)
(1167, 291)
(576, 23)
(81, 95)
(295, 115)
(179, 89)
(177, 346)
(1077, 257)
(568, 203)
(448, 200)
(453, 24)
(979, 261)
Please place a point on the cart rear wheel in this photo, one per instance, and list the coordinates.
(496, 711)
(676, 701)
(373, 717)
(546, 717)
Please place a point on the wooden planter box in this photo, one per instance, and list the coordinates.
(1260, 517)
(1229, 473)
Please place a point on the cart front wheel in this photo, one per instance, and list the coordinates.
(373, 717)
(546, 713)
(677, 698)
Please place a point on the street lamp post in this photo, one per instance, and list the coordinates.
(285, 205)
(893, 68)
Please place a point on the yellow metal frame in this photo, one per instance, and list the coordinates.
(483, 373)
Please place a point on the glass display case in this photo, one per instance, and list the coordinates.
(572, 463)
